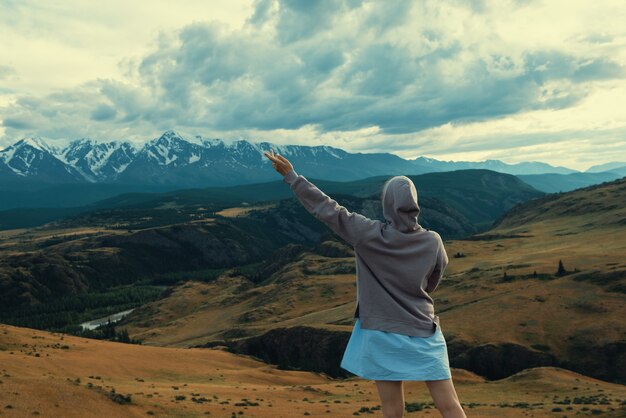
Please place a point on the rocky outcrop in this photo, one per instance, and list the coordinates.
(334, 249)
(296, 348)
(303, 348)
(497, 361)
(277, 261)
(606, 362)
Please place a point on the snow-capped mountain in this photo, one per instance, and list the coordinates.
(175, 162)
(170, 150)
(35, 159)
(98, 161)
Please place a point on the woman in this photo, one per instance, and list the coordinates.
(397, 335)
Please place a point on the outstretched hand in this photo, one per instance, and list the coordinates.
(280, 163)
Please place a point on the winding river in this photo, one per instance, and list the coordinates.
(100, 321)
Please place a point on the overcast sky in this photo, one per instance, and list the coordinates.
(516, 80)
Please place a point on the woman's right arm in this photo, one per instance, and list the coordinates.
(440, 267)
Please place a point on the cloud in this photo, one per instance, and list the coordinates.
(330, 69)
(103, 112)
(17, 123)
(6, 71)
(313, 68)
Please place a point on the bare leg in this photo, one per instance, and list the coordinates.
(445, 398)
(391, 394)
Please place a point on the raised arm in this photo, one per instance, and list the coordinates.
(350, 226)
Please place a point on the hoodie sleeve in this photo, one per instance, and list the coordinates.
(350, 226)
(440, 266)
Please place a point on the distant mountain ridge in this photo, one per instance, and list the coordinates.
(615, 167)
(172, 161)
(556, 183)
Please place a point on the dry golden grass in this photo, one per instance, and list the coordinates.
(243, 210)
(26, 239)
(198, 312)
(551, 309)
(58, 375)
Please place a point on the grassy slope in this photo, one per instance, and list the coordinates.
(67, 376)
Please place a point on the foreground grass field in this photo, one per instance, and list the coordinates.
(55, 375)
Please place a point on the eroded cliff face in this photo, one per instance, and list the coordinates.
(320, 350)
(497, 361)
(602, 361)
(296, 348)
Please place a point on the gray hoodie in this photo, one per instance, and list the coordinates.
(398, 262)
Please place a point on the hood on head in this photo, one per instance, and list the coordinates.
(399, 200)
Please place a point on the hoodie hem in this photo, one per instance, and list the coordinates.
(399, 326)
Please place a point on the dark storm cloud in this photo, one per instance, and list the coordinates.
(16, 123)
(103, 113)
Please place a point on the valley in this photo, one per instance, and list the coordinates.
(508, 286)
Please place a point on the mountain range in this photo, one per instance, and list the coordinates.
(171, 161)
(37, 173)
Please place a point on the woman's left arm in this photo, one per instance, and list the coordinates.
(350, 226)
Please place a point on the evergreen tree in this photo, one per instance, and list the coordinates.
(123, 337)
(561, 271)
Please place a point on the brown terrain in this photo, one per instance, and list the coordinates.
(507, 315)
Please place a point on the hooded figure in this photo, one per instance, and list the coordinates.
(398, 262)
(400, 207)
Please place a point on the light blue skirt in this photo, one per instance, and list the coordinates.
(380, 355)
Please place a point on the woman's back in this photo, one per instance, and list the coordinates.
(395, 273)
(398, 264)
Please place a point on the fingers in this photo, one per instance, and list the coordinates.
(277, 158)
(284, 161)
(271, 157)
